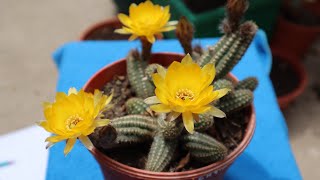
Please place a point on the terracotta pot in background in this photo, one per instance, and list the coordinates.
(115, 170)
(312, 6)
(293, 39)
(105, 29)
(286, 99)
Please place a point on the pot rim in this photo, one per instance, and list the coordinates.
(299, 69)
(220, 165)
(90, 29)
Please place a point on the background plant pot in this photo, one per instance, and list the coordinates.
(263, 12)
(313, 7)
(293, 39)
(115, 170)
(104, 30)
(300, 78)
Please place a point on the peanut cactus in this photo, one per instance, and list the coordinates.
(165, 136)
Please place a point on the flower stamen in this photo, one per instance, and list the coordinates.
(72, 121)
(185, 94)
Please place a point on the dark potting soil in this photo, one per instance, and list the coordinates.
(283, 77)
(200, 6)
(228, 131)
(106, 33)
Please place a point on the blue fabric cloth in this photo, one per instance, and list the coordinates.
(269, 154)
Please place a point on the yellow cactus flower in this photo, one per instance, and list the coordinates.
(185, 89)
(146, 20)
(73, 116)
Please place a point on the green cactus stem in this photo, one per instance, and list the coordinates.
(223, 83)
(205, 122)
(169, 129)
(235, 101)
(250, 83)
(151, 69)
(137, 106)
(217, 51)
(237, 49)
(138, 81)
(204, 148)
(161, 153)
(129, 130)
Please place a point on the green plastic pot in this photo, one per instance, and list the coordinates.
(263, 12)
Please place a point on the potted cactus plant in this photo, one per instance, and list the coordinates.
(163, 115)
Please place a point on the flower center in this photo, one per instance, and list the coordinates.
(185, 94)
(72, 121)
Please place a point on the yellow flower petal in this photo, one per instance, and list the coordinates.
(122, 31)
(139, 24)
(160, 108)
(188, 122)
(124, 19)
(133, 37)
(46, 105)
(201, 110)
(187, 59)
(216, 112)
(86, 142)
(168, 28)
(151, 39)
(162, 71)
(72, 91)
(158, 80)
(222, 92)
(101, 122)
(69, 145)
(152, 100)
(60, 96)
(173, 115)
(55, 139)
(73, 115)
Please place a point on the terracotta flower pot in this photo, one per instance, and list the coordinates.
(293, 39)
(286, 99)
(313, 7)
(105, 28)
(115, 170)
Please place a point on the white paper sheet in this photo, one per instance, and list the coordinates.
(26, 148)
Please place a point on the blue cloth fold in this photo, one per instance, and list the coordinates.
(268, 155)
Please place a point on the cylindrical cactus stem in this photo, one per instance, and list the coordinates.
(138, 81)
(250, 83)
(235, 101)
(217, 51)
(205, 122)
(169, 129)
(151, 69)
(137, 106)
(161, 153)
(204, 148)
(237, 50)
(223, 83)
(126, 130)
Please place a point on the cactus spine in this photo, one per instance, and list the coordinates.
(161, 153)
(250, 83)
(138, 81)
(204, 148)
(235, 101)
(137, 106)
